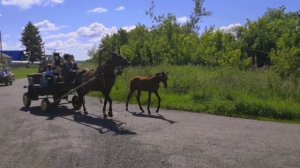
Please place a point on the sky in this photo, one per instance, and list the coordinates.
(76, 26)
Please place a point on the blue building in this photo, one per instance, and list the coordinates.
(16, 55)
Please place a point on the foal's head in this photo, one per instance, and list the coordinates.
(163, 77)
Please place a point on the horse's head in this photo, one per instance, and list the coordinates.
(163, 77)
(118, 61)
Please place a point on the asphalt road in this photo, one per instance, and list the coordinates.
(30, 138)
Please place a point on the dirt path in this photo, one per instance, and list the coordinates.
(64, 138)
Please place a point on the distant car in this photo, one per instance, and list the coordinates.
(6, 77)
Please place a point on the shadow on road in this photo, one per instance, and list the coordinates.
(158, 116)
(92, 121)
(3, 85)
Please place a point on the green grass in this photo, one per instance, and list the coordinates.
(259, 94)
(22, 72)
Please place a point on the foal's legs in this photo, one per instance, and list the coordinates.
(156, 93)
(110, 114)
(138, 96)
(149, 101)
(82, 100)
(104, 107)
(128, 98)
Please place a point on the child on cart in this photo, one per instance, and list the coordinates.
(48, 78)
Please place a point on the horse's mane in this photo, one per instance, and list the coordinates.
(83, 73)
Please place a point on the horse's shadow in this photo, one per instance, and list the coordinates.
(92, 121)
(158, 116)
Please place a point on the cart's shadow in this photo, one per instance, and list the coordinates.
(3, 85)
(92, 121)
(158, 116)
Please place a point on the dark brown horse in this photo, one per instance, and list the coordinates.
(150, 84)
(104, 79)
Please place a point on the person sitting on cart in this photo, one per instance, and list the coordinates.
(69, 69)
(48, 77)
(43, 65)
(57, 65)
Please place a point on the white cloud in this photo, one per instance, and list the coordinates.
(62, 35)
(230, 28)
(26, 4)
(11, 46)
(56, 1)
(91, 31)
(120, 8)
(95, 29)
(98, 10)
(46, 25)
(67, 44)
(129, 28)
(71, 46)
(80, 41)
(182, 20)
(52, 2)
(5, 46)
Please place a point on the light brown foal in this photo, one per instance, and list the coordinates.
(150, 84)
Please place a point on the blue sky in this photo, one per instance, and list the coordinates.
(75, 26)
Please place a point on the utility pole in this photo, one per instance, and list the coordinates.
(1, 48)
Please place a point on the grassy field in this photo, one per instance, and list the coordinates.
(259, 94)
(23, 71)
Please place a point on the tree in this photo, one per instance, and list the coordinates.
(195, 17)
(33, 43)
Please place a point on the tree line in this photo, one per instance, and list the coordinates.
(273, 40)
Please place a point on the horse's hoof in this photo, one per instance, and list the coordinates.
(85, 113)
(110, 114)
(149, 112)
(105, 116)
(157, 111)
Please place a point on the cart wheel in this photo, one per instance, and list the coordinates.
(56, 100)
(26, 100)
(76, 103)
(45, 104)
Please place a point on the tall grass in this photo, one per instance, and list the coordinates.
(222, 91)
(22, 72)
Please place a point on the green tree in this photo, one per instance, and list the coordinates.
(137, 47)
(273, 40)
(196, 16)
(33, 43)
(260, 37)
